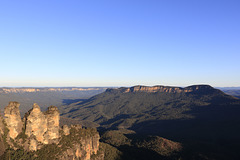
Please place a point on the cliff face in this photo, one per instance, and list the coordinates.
(165, 89)
(40, 130)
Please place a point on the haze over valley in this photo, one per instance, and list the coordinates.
(45, 96)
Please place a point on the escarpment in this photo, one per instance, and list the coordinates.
(166, 89)
(39, 134)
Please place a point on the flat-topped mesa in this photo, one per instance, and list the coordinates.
(165, 89)
(154, 89)
(13, 119)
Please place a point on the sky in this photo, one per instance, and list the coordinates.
(119, 42)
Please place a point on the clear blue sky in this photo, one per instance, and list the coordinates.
(119, 42)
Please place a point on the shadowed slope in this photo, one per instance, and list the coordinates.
(203, 118)
(128, 107)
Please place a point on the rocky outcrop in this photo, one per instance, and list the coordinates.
(44, 127)
(13, 119)
(52, 118)
(36, 124)
(41, 133)
(86, 149)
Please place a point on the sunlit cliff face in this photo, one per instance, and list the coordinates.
(165, 89)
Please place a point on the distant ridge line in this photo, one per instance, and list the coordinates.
(47, 89)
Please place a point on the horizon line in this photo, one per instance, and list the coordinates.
(108, 86)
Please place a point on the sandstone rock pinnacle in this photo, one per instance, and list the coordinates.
(52, 117)
(13, 119)
(43, 128)
(36, 124)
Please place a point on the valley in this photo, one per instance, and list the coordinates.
(160, 122)
(203, 118)
(45, 96)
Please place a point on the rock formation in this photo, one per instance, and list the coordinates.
(52, 117)
(36, 124)
(39, 130)
(89, 145)
(13, 119)
(44, 127)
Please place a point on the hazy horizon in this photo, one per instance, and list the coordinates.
(110, 86)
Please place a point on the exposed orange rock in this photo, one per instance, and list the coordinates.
(13, 119)
(43, 128)
(165, 89)
(52, 117)
(36, 124)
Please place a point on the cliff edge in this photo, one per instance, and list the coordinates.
(163, 89)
